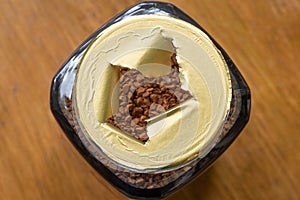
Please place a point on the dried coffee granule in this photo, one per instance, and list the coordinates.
(144, 97)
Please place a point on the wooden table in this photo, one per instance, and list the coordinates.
(38, 162)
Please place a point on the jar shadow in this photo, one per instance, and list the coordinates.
(199, 188)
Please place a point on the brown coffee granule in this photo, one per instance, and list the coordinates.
(144, 97)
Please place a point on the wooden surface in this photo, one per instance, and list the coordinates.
(38, 162)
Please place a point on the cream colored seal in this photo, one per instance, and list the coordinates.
(145, 42)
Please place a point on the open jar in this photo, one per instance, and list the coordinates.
(150, 100)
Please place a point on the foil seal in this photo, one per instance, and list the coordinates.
(146, 43)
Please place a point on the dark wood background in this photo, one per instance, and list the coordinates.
(38, 162)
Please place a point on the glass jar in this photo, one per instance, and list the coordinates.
(158, 176)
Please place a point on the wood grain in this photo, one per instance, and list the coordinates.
(38, 162)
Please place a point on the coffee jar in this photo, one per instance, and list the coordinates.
(150, 100)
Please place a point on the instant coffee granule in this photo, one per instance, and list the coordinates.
(144, 97)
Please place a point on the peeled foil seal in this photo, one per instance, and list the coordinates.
(179, 134)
